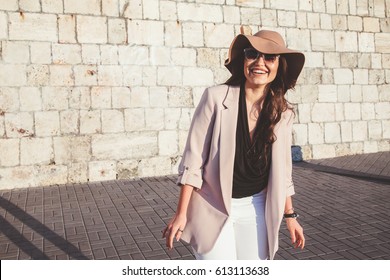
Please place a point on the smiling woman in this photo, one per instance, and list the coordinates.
(236, 170)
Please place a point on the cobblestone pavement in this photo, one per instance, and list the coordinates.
(343, 205)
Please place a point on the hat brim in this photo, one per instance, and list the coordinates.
(295, 59)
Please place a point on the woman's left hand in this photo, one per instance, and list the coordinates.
(296, 233)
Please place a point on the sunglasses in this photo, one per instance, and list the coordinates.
(252, 54)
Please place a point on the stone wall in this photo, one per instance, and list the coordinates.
(96, 90)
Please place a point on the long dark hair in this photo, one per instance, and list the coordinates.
(274, 104)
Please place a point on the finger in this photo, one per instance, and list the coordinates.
(170, 238)
(293, 237)
(178, 234)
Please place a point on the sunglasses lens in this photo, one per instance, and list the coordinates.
(251, 54)
(270, 57)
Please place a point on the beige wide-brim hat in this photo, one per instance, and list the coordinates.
(269, 42)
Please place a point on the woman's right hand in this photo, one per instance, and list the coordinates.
(174, 229)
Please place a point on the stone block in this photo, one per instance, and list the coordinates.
(376, 61)
(305, 5)
(313, 20)
(346, 41)
(382, 110)
(160, 56)
(359, 131)
(101, 97)
(364, 60)
(102, 170)
(155, 166)
(36, 151)
(55, 98)
(12, 75)
(356, 93)
(168, 10)
(9, 150)
(145, 32)
(49, 6)
(3, 26)
(9, 99)
(47, 123)
(375, 130)
(9, 5)
(327, 93)
(346, 131)
(90, 53)
(342, 7)
(69, 122)
(40, 52)
(17, 177)
(86, 34)
(133, 76)
(80, 98)
(78, 172)
(370, 93)
(366, 42)
(38, 75)
(386, 129)
(117, 31)
(324, 151)
(131, 9)
(303, 44)
(355, 23)
(130, 55)
(384, 93)
(110, 75)
(90, 122)
(286, 18)
(199, 12)
(112, 121)
(360, 76)
(173, 34)
(135, 119)
(197, 76)
(150, 9)
(332, 59)
(149, 76)
(172, 117)
(169, 76)
(309, 93)
(72, 149)
(332, 133)
(191, 57)
(368, 111)
(323, 112)
(342, 150)
(316, 133)
(66, 53)
(343, 93)
(85, 75)
(67, 28)
(382, 42)
(154, 119)
(193, 34)
(231, 14)
(139, 97)
(167, 142)
(61, 75)
(33, 27)
(283, 5)
(371, 24)
(109, 54)
(250, 16)
(326, 21)
(339, 22)
(158, 96)
(30, 99)
(339, 109)
(352, 111)
(304, 113)
(218, 36)
(300, 134)
(124, 146)
(343, 76)
(19, 124)
(120, 97)
(385, 24)
(88, 7)
(370, 147)
(376, 77)
(15, 52)
(352, 7)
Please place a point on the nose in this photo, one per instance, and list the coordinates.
(260, 60)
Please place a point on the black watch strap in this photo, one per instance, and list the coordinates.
(292, 215)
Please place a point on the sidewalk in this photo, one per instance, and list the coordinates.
(343, 205)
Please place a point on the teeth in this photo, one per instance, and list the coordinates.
(258, 72)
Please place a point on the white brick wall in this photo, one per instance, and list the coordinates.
(99, 90)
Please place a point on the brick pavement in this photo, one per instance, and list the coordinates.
(343, 204)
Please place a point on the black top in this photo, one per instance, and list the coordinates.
(247, 178)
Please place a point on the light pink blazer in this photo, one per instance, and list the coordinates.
(208, 161)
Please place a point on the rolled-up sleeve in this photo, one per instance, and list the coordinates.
(197, 147)
(289, 182)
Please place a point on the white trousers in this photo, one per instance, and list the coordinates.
(244, 236)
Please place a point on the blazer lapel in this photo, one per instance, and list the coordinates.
(228, 143)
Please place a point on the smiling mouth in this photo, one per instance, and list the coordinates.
(258, 72)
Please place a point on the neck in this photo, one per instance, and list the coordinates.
(254, 94)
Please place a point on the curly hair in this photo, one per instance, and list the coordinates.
(274, 104)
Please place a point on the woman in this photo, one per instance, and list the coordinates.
(235, 174)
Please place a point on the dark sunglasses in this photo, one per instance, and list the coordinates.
(252, 54)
